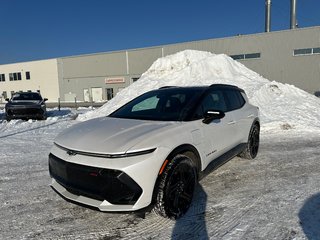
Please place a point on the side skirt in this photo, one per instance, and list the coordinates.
(216, 163)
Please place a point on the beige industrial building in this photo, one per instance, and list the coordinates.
(290, 56)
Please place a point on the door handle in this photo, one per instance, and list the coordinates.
(231, 122)
(250, 116)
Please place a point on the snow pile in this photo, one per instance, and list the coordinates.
(287, 106)
(281, 105)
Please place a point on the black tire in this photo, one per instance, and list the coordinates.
(176, 187)
(252, 146)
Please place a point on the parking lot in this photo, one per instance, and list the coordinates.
(275, 196)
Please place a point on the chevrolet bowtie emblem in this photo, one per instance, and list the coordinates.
(71, 153)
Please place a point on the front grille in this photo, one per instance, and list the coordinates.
(25, 111)
(98, 183)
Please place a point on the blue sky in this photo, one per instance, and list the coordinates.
(42, 29)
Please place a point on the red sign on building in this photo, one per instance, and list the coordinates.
(114, 80)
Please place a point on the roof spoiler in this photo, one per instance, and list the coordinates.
(167, 87)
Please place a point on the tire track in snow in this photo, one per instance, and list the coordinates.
(152, 226)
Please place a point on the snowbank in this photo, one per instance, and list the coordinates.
(282, 106)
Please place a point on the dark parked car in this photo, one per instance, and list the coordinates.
(26, 105)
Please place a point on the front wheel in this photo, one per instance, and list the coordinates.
(252, 146)
(176, 188)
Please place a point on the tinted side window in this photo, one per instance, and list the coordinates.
(241, 99)
(235, 99)
(214, 100)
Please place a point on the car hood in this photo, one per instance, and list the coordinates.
(110, 135)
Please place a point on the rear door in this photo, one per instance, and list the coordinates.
(218, 135)
(242, 119)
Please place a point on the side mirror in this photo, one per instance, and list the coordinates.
(7, 99)
(45, 99)
(211, 115)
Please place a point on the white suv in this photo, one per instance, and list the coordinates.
(153, 150)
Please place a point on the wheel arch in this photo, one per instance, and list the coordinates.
(185, 149)
(256, 121)
(190, 151)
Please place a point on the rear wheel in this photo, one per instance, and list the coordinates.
(176, 188)
(252, 146)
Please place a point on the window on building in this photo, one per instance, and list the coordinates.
(15, 76)
(246, 56)
(316, 50)
(237, 57)
(12, 93)
(2, 78)
(109, 93)
(304, 51)
(4, 94)
(28, 75)
(252, 55)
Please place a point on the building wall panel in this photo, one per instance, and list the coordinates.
(95, 65)
(43, 77)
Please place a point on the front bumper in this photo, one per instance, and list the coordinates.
(122, 184)
(98, 183)
(25, 112)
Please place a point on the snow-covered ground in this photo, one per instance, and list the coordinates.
(275, 196)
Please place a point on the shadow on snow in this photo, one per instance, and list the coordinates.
(193, 224)
(309, 216)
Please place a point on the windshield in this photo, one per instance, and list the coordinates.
(26, 96)
(170, 104)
